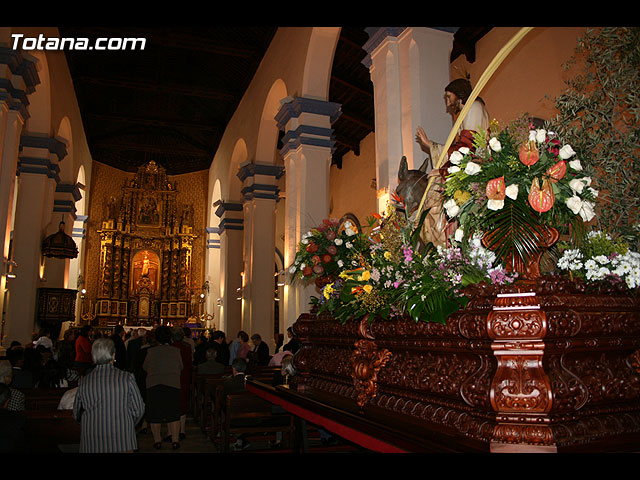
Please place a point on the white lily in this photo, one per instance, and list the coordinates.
(576, 185)
(456, 157)
(512, 191)
(495, 204)
(574, 204)
(566, 152)
(472, 168)
(576, 165)
(451, 207)
(587, 212)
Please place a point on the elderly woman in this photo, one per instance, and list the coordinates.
(163, 365)
(108, 404)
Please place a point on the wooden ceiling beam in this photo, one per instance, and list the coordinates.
(153, 122)
(157, 87)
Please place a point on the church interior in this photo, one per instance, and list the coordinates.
(170, 181)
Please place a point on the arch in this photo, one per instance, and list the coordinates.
(268, 129)
(317, 68)
(39, 120)
(239, 156)
(66, 164)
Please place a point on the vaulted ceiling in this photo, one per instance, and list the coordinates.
(172, 101)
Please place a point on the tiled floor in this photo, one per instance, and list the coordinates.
(195, 442)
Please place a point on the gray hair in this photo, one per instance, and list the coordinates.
(6, 371)
(177, 334)
(102, 351)
(287, 365)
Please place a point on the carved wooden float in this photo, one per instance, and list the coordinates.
(536, 366)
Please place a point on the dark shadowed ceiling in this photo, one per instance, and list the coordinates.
(172, 101)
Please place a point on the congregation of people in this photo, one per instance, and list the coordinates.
(125, 383)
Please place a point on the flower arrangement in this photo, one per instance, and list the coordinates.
(514, 186)
(392, 277)
(601, 259)
(324, 251)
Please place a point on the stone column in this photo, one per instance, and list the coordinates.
(307, 147)
(230, 231)
(409, 69)
(260, 190)
(18, 78)
(213, 262)
(37, 176)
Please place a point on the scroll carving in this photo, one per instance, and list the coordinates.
(367, 360)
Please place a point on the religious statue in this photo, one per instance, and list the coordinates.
(413, 183)
(411, 187)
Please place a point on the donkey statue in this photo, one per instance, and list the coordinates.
(411, 187)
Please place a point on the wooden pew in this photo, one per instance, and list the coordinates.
(51, 431)
(246, 413)
(43, 398)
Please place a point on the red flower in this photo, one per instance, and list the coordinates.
(312, 248)
(557, 171)
(332, 249)
(331, 235)
(318, 269)
(315, 259)
(306, 271)
(529, 153)
(326, 258)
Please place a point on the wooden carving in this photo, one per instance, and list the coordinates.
(367, 360)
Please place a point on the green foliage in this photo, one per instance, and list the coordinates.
(599, 115)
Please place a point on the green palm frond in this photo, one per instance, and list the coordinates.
(515, 230)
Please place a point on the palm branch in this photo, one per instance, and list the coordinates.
(515, 232)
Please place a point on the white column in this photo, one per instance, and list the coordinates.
(260, 190)
(37, 177)
(409, 69)
(18, 78)
(231, 231)
(308, 144)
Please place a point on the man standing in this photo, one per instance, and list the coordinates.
(261, 349)
(121, 350)
(222, 349)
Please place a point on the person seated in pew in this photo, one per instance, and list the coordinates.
(12, 425)
(17, 400)
(22, 378)
(211, 366)
(278, 358)
(235, 384)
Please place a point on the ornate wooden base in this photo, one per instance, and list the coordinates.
(537, 366)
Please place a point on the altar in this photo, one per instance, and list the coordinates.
(146, 249)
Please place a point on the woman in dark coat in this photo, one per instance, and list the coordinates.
(163, 364)
(185, 376)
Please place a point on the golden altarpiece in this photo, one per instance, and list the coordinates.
(146, 246)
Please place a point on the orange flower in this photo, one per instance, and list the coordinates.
(529, 153)
(558, 171)
(496, 189)
(541, 198)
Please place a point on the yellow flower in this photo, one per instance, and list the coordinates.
(387, 255)
(328, 290)
(368, 288)
(461, 197)
(366, 275)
